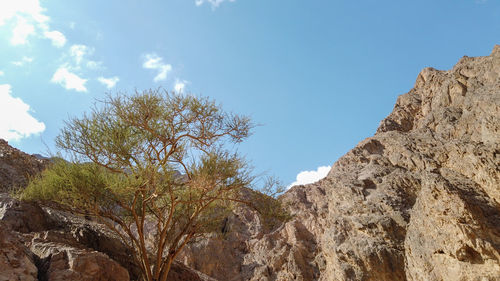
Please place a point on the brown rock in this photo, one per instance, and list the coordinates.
(454, 233)
(221, 255)
(67, 263)
(23, 216)
(65, 246)
(16, 262)
(180, 272)
(417, 201)
(16, 167)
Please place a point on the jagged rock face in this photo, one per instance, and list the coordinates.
(417, 201)
(66, 263)
(247, 248)
(16, 166)
(221, 255)
(16, 262)
(420, 199)
(54, 245)
(47, 244)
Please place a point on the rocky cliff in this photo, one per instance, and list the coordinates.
(420, 200)
(423, 192)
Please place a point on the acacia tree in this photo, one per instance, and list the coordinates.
(151, 164)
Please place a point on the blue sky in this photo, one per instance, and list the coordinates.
(318, 75)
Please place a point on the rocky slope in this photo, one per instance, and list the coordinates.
(16, 166)
(45, 244)
(420, 200)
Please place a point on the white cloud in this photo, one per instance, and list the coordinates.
(25, 8)
(29, 21)
(80, 58)
(153, 61)
(77, 62)
(17, 122)
(2, 73)
(306, 177)
(78, 52)
(180, 85)
(69, 80)
(214, 3)
(94, 64)
(58, 39)
(24, 60)
(21, 31)
(109, 82)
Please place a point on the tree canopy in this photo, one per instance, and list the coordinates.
(151, 163)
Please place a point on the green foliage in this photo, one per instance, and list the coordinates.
(79, 186)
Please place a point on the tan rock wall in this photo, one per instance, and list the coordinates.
(417, 201)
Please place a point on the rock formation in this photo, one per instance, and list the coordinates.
(16, 166)
(46, 244)
(420, 200)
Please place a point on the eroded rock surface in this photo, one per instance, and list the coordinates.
(53, 245)
(420, 200)
(16, 261)
(46, 244)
